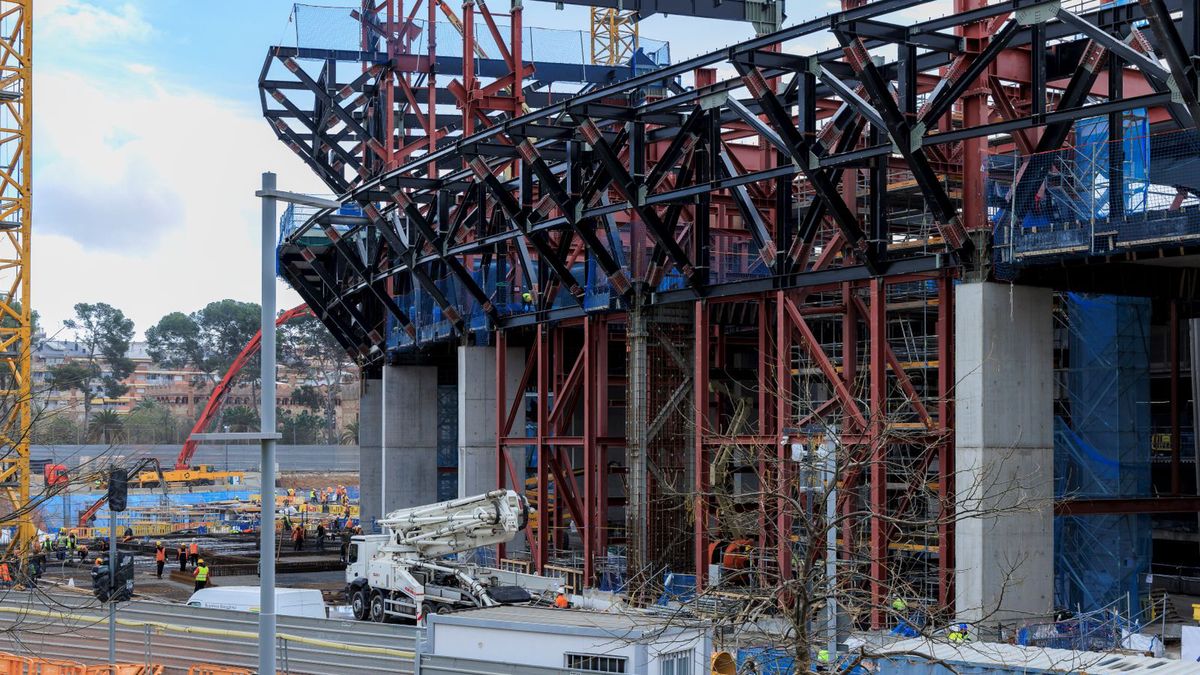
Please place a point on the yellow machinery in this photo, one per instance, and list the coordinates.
(16, 186)
(614, 35)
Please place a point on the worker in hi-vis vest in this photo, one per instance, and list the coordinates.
(201, 574)
(160, 558)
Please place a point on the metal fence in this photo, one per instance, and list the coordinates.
(447, 665)
(74, 627)
(234, 456)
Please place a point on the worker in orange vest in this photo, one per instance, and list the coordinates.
(194, 553)
(160, 558)
(5, 574)
(560, 599)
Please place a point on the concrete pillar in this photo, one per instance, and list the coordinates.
(1004, 452)
(477, 416)
(410, 436)
(369, 457)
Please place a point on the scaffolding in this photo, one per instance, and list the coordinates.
(1102, 447)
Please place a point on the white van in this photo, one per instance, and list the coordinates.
(288, 601)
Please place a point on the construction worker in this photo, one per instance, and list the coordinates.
(527, 301)
(183, 556)
(320, 536)
(71, 544)
(958, 634)
(346, 535)
(193, 553)
(201, 574)
(560, 598)
(908, 622)
(5, 574)
(312, 496)
(160, 558)
(298, 539)
(83, 553)
(822, 660)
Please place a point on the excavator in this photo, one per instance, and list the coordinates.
(86, 518)
(184, 473)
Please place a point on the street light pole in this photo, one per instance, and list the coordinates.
(268, 436)
(266, 615)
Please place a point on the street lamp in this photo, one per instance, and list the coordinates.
(267, 437)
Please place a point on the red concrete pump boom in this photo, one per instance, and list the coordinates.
(184, 461)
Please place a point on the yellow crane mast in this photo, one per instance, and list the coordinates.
(614, 35)
(16, 324)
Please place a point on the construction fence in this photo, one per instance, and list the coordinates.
(74, 628)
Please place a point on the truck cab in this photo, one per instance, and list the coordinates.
(361, 552)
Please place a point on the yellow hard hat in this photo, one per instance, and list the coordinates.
(160, 543)
(200, 561)
(99, 560)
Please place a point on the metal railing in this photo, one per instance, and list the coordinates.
(68, 626)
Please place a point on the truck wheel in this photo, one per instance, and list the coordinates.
(377, 614)
(359, 603)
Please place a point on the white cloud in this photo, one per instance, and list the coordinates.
(144, 199)
(82, 24)
(140, 68)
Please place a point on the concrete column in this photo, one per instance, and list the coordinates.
(1004, 452)
(369, 457)
(477, 410)
(410, 436)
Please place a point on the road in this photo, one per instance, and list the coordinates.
(236, 457)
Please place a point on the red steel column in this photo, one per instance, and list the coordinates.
(431, 83)
(975, 114)
(877, 490)
(468, 57)
(945, 333)
(501, 416)
(601, 466)
(783, 408)
(588, 527)
(1175, 424)
(544, 516)
(700, 466)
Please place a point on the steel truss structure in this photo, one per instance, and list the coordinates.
(695, 264)
(16, 314)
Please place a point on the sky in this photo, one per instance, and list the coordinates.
(149, 144)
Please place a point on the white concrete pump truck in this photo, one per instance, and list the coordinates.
(404, 573)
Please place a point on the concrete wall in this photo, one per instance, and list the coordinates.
(410, 436)
(1004, 440)
(370, 440)
(477, 415)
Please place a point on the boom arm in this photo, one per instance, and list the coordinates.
(184, 461)
(87, 515)
(457, 525)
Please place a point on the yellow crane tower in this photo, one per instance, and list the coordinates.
(16, 324)
(614, 35)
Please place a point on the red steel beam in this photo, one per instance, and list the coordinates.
(1093, 507)
(810, 344)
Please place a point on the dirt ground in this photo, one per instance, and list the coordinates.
(312, 480)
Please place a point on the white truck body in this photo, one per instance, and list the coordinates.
(288, 601)
(403, 573)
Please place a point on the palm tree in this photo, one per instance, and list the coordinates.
(350, 433)
(106, 426)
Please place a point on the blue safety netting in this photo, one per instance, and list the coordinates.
(1097, 196)
(1102, 449)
